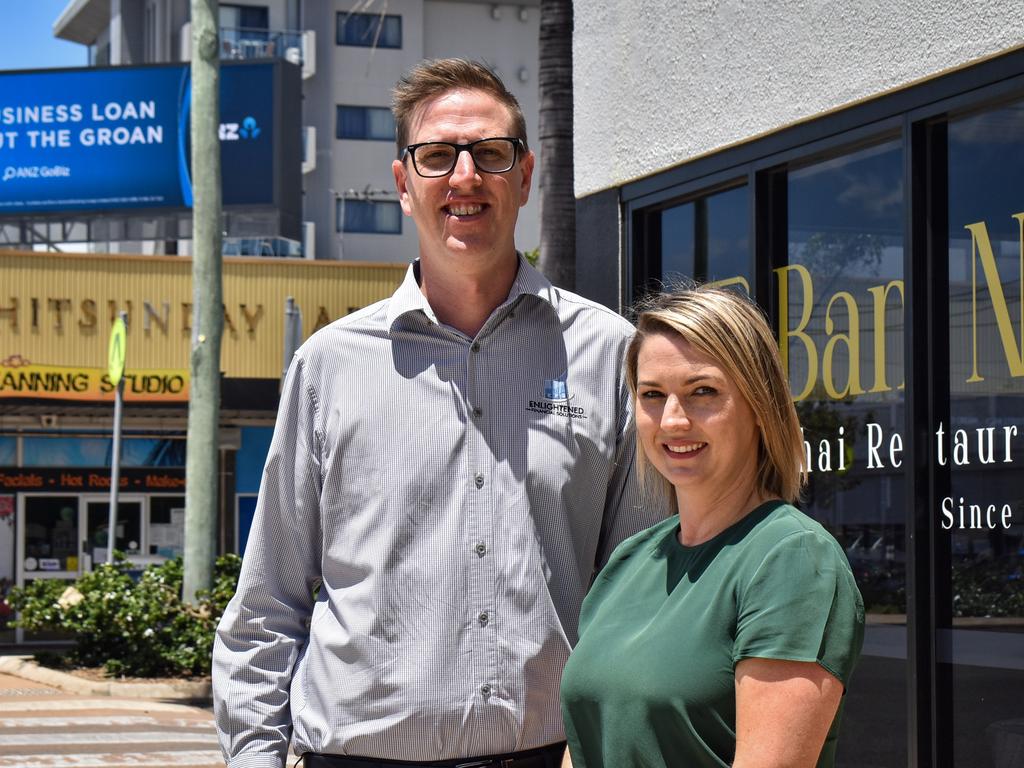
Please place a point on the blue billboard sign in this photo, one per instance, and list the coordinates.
(116, 138)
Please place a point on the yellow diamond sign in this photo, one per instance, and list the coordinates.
(115, 352)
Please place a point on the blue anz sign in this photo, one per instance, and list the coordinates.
(118, 137)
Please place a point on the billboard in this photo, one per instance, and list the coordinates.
(118, 138)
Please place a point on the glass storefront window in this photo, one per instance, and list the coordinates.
(708, 239)
(51, 533)
(981, 522)
(127, 537)
(840, 325)
(167, 526)
(96, 452)
(8, 451)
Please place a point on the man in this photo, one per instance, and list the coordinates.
(449, 468)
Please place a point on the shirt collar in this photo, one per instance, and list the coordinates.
(408, 298)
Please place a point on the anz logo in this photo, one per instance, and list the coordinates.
(247, 129)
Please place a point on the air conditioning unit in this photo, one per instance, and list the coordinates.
(309, 239)
(308, 148)
(185, 45)
(308, 53)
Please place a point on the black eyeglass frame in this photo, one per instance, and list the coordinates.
(410, 151)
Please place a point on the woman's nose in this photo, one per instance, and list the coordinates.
(675, 415)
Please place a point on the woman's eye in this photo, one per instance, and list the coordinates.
(650, 394)
(705, 391)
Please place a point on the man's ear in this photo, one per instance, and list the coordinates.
(401, 185)
(527, 169)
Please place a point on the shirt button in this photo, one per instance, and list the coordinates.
(478, 478)
(481, 548)
(485, 689)
(483, 618)
(478, 412)
(476, 346)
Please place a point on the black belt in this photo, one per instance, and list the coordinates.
(544, 757)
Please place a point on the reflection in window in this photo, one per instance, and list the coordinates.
(8, 451)
(982, 519)
(51, 533)
(97, 451)
(840, 324)
(376, 123)
(379, 217)
(842, 338)
(369, 30)
(708, 239)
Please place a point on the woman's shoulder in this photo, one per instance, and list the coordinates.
(785, 527)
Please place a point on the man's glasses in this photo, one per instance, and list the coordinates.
(438, 158)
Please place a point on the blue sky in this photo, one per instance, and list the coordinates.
(28, 36)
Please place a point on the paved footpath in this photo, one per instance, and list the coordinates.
(43, 727)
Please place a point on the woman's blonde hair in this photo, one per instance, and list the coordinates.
(733, 331)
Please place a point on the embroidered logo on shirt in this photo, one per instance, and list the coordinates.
(555, 389)
(556, 400)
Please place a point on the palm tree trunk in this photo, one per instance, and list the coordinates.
(557, 199)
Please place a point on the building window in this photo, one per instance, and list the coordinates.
(707, 239)
(376, 123)
(244, 17)
(981, 513)
(369, 30)
(378, 217)
(97, 451)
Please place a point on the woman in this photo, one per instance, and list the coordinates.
(724, 635)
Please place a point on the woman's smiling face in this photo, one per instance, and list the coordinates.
(694, 425)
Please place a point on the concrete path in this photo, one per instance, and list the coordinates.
(42, 726)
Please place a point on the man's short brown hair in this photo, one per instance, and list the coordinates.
(433, 77)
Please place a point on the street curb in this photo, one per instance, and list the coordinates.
(25, 668)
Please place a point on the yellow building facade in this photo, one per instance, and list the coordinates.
(56, 399)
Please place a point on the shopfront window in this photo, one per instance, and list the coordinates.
(51, 534)
(128, 533)
(167, 526)
(840, 325)
(96, 452)
(708, 239)
(981, 620)
(8, 451)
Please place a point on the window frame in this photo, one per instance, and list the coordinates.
(364, 111)
(340, 223)
(368, 41)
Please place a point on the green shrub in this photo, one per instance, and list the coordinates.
(139, 628)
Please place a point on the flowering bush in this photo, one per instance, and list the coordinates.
(140, 628)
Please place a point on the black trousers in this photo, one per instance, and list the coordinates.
(544, 757)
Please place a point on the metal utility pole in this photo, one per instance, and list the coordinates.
(201, 489)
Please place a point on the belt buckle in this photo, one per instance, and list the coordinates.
(479, 764)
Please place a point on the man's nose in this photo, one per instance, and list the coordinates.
(465, 169)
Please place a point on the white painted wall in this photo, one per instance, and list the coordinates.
(660, 82)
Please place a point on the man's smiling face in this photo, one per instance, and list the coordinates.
(467, 214)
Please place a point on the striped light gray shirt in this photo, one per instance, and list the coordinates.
(452, 497)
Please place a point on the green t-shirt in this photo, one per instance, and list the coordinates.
(651, 682)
